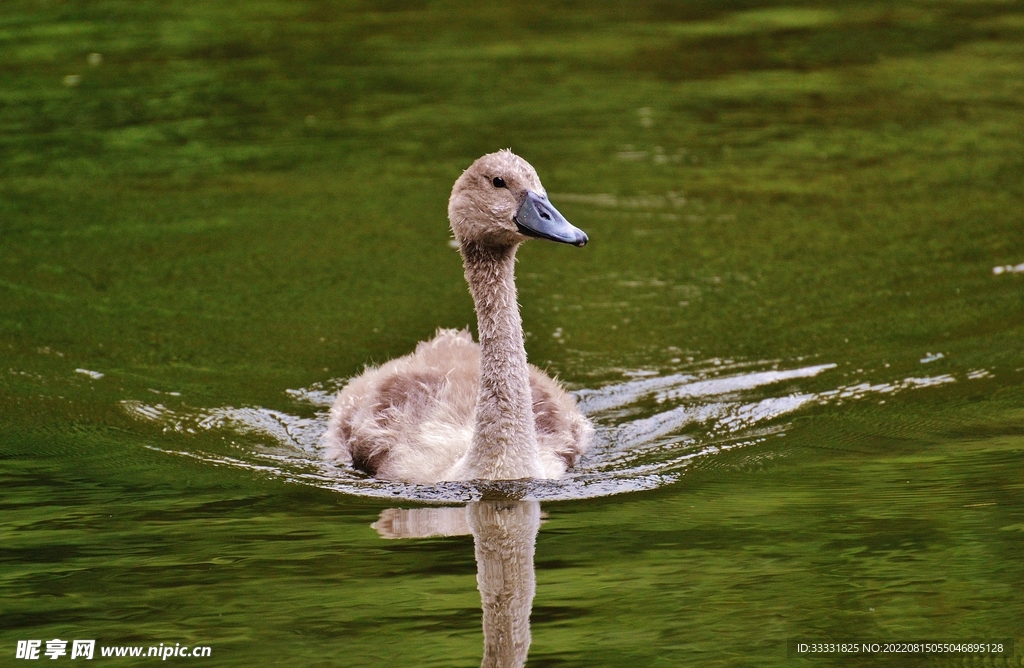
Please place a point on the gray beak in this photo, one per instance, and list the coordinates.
(537, 218)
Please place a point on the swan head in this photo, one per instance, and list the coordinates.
(499, 201)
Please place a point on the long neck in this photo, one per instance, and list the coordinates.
(504, 441)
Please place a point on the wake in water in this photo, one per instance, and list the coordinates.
(647, 431)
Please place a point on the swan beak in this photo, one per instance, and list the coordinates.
(537, 218)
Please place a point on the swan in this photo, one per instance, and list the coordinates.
(455, 409)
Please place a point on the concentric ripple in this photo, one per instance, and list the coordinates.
(648, 431)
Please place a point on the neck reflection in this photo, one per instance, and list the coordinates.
(504, 536)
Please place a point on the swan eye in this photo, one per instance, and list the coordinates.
(499, 182)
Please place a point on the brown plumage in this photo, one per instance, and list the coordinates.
(453, 409)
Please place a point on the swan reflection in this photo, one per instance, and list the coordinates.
(504, 535)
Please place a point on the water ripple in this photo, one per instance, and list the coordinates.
(647, 431)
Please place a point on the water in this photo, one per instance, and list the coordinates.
(797, 328)
(693, 416)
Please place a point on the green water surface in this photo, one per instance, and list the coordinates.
(210, 203)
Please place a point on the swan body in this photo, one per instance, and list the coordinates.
(455, 409)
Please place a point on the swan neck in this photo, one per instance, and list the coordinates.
(504, 440)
